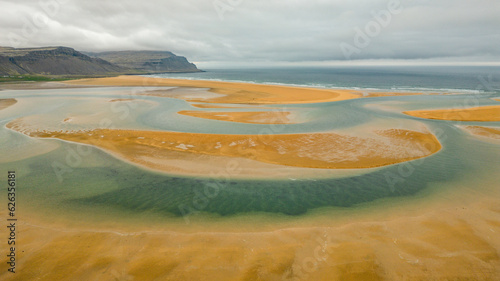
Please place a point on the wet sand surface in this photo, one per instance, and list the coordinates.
(255, 117)
(448, 234)
(201, 105)
(240, 93)
(4, 103)
(487, 132)
(315, 150)
(232, 93)
(482, 114)
(436, 241)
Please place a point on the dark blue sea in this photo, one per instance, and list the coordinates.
(401, 78)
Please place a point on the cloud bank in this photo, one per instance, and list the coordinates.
(266, 32)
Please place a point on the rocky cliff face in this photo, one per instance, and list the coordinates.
(68, 61)
(148, 61)
(53, 61)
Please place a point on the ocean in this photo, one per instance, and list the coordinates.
(397, 78)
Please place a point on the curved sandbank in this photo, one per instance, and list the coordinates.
(481, 114)
(4, 103)
(387, 94)
(251, 117)
(396, 94)
(314, 150)
(121, 100)
(488, 132)
(202, 105)
(234, 93)
(237, 93)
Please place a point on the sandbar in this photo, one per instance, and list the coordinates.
(252, 117)
(481, 114)
(388, 94)
(313, 150)
(232, 93)
(396, 94)
(4, 103)
(488, 132)
(240, 93)
(201, 105)
(121, 100)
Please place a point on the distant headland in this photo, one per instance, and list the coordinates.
(64, 61)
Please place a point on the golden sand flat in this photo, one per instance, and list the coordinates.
(255, 117)
(4, 103)
(482, 114)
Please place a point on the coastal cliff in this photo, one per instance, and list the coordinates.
(64, 61)
(53, 61)
(148, 61)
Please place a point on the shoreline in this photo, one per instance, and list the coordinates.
(244, 93)
(249, 117)
(482, 132)
(6, 103)
(191, 154)
(156, 149)
(233, 93)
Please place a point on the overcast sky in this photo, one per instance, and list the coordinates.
(229, 32)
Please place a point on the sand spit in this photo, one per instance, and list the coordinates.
(4, 103)
(314, 150)
(482, 114)
(255, 117)
(487, 132)
(121, 100)
(395, 94)
(387, 94)
(233, 93)
(241, 93)
(201, 105)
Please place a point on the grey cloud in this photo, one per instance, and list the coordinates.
(270, 31)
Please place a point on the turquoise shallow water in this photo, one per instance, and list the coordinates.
(106, 182)
(93, 180)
